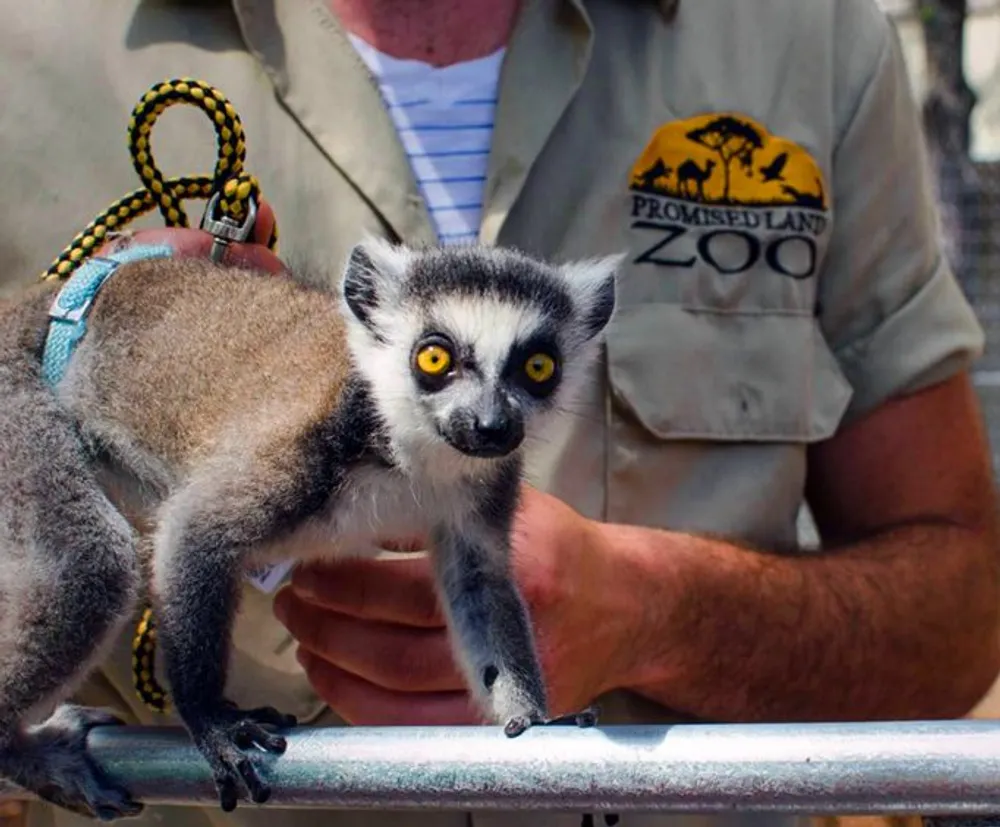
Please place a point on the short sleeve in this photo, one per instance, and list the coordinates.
(889, 304)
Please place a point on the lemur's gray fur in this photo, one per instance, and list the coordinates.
(221, 418)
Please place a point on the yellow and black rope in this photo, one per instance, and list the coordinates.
(235, 188)
(147, 687)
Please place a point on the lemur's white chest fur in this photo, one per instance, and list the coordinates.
(374, 505)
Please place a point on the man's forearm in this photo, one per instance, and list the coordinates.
(864, 632)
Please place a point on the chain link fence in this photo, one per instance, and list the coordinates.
(981, 281)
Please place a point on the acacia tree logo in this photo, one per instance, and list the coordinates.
(731, 139)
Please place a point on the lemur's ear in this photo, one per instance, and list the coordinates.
(592, 285)
(373, 278)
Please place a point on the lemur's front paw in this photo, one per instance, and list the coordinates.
(223, 739)
(520, 723)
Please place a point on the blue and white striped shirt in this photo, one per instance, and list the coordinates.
(444, 117)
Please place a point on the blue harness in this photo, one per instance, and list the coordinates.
(68, 314)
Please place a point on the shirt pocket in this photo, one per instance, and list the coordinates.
(728, 376)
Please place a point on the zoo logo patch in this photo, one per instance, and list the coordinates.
(720, 190)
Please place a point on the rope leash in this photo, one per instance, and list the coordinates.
(231, 191)
(232, 194)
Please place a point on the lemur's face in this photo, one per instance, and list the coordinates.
(483, 372)
(476, 348)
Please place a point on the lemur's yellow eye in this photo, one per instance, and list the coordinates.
(433, 360)
(540, 367)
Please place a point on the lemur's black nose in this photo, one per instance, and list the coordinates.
(492, 428)
(497, 433)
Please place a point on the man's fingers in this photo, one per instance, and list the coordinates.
(361, 703)
(403, 658)
(393, 590)
(190, 241)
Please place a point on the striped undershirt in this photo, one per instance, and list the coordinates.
(444, 117)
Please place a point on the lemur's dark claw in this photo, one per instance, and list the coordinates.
(584, 718)
(521, 723)
(223, 742)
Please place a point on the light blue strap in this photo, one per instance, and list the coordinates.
(68, 314)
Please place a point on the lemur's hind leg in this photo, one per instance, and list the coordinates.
(68, 579)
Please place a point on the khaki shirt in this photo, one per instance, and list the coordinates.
(760, 162)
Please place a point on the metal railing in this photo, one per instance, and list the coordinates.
(931, 769)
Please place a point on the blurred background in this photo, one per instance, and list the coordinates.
(953, 53)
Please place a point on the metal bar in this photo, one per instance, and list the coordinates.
(936, 768)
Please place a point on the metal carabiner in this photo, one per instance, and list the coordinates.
(225, 230)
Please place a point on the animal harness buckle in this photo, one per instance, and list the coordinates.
(225, 230)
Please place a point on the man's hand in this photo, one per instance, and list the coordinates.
(190, 241)
(373, 640)
(897, 619)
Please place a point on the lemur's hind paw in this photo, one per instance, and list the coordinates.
(521, 723)
(223, 741)
(52, 762)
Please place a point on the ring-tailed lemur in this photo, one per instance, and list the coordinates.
(249, 418)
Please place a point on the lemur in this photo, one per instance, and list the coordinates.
(242, 418)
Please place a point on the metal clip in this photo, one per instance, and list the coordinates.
(225, 229)
(72, 302)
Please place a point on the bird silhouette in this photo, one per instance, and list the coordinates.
(772, 172)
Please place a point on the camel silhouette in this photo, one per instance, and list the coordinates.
(690, 171)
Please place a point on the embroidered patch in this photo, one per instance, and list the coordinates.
(721, 190)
